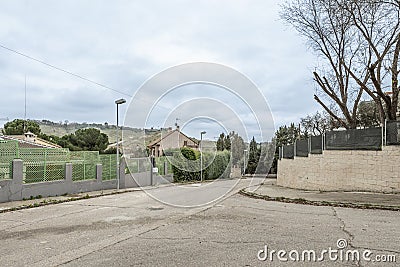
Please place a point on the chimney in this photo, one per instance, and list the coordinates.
(30, 137)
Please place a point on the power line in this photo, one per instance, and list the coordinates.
(73, 74)
(63, 70)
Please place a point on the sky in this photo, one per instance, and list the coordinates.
(78, 56)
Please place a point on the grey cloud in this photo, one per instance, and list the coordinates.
(121, 44)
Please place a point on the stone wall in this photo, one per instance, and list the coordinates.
(351, 170)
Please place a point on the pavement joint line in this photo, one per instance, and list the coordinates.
(319, 203)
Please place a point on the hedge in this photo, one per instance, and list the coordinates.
(185, 165)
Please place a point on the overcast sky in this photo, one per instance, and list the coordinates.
(121, 44)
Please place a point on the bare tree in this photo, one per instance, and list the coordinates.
(359, 43)
(378, 27)
(315, 124)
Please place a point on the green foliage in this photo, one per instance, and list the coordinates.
(233, 143)
(219, 168)
(220, 142)
(224, 142)
(227, 142)
(16, 127)
(286, 135)
(89, 139)
(160, 165)
(237, 148)
(51, 138)
(189, 153)
(186, 165)
(111, 150)
(254, 157)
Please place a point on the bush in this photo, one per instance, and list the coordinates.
(185, 165)
(220, 167)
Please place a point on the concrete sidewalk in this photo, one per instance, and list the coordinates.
(363, 200)
(43, 201)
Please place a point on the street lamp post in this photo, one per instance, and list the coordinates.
(244, 161)
(118, 102)
(201, 155)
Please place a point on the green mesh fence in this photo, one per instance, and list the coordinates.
(84, 164)
(35, 172)
(137, 165)
(109, 163)
(48, 164)
(8, 152)
(5, 170)
(43, 164)
(160, 165)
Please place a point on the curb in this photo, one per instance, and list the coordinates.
(47, 202)
(303, 201)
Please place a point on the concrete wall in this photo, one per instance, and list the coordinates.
(376, 171)
(15, 189)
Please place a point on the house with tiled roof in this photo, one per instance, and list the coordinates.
(29, 140)
(171, 140)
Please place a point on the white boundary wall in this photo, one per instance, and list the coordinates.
(339, 170)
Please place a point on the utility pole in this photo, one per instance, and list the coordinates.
(25, 108)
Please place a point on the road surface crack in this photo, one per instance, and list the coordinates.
(347, 232)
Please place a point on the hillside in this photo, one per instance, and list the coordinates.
(133, 136)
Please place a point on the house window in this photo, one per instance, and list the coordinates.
(184, 143)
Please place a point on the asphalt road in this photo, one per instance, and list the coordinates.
(133, 229)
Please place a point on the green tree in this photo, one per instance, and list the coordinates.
(284, 136)
(227, 142)
(237, 148)
(16, 127)
(184, 165)
(220, 142)
(254, 157)
(85, 139)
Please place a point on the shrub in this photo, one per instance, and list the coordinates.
(185, 165)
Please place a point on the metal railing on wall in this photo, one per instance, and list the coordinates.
(351, 139)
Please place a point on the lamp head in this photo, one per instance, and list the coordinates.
(120, 101)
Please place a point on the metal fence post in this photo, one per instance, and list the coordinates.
(84, 166)
(151, 169)
(294, 148)
(385, 132)
(165, 167)
(44, 164)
